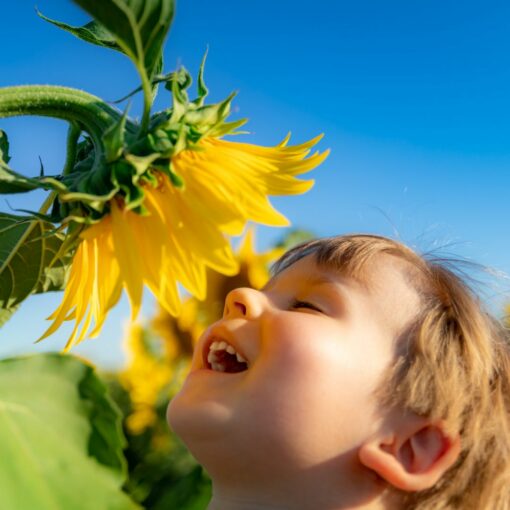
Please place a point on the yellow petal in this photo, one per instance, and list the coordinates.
(126, 253)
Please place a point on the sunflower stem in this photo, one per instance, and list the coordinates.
(73, 134)
(59, 102)
(92, 113)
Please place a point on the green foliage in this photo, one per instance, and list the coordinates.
(4, 147)
(295, 237)
(139, 27)
(93, 33)
(163, 475)
(60, 437)
(29, 260)
(10, 181)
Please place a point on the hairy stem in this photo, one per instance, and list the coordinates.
(73, 134)
(59, 102)
(73, 105)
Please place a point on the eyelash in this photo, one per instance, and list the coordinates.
(304, 304)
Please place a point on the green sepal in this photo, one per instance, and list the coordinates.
(166, 169)
(180, 81)
(127, 181)
(113, 139)
(202, 89)
(141, 163)
(138, 208)
(95, 202)
(150, 179)
(205, 118)
(187, 122)
(228, 128)
(88, 184)
(159, 141)
(127, 174)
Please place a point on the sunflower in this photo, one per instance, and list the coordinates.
(182, 230)
(148, 372)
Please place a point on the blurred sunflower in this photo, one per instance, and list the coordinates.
(159, 355)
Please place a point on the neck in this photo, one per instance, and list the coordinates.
(300, 499)
(225, 503)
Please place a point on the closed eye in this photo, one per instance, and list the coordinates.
(296, 304)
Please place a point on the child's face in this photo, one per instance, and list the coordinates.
(317, 344)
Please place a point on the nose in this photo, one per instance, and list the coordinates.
(243, 303)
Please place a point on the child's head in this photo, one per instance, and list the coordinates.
(374, 379)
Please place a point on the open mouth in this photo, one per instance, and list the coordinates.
(223, 357)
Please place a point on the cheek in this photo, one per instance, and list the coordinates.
(302, 348)
(311, 369)
(312, 396)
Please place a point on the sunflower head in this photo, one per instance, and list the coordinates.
(155, 209)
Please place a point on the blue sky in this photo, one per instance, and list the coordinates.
(412, 98)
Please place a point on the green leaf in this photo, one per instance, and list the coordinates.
(192, 492)
(6, 314)
(55, 265)
(139, 27)
(4, 147)
(12, 182)
(93, 32)
(295, 237)
(27, 262)
(60, 437)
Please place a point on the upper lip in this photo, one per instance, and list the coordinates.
(218, 334)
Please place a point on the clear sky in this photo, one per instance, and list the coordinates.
(412, 98)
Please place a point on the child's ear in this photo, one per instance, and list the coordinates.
(415, 457)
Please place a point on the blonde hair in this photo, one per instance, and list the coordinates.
(452, 363)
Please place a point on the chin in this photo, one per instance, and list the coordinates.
(202, 430)
(202, 421)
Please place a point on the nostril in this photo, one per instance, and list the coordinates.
(240, 306)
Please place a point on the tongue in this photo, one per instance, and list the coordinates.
(229, 361)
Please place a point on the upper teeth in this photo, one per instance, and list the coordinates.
(221, 346)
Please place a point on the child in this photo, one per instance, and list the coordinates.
(360, 377)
